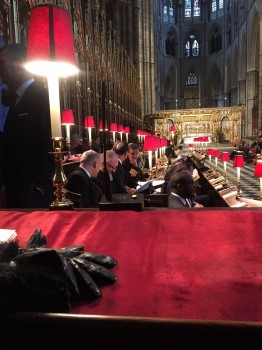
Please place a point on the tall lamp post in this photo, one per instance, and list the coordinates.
(51, 53)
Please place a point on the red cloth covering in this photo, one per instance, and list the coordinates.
(188, 264)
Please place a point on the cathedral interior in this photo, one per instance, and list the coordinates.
(195, 65)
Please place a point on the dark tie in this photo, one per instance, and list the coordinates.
(8, 98)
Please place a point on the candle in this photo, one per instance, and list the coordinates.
(199, 92)
(53, 89)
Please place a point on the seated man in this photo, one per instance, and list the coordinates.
(80, 180)
(132, 166)
(182, 191)
(120, 175)
(111, 167)
(76, 144)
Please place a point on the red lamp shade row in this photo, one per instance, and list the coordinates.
(101, 126)
(239, 161)
(68, 117)
(113, 127)
(225, 157)
(89, 122)
(209, 152)
(120, 128)
(258, 168)
(50, 39)
(216, 153)
(150, 143)
(127, 129)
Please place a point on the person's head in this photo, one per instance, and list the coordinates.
(97, 140)
(75, 140)
(182, 184)
(92, 162)
(12, 71)
(111, 161)
(133, 151)
(121, 149)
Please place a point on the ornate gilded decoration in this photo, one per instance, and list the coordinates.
(220, 123)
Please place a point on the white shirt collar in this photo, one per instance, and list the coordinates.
(20, 91)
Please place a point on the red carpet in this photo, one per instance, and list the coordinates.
(202, 264)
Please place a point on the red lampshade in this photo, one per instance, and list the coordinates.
(150, 143)
(127, 129)
(68, 117)
(139, 133)
(216, 153)
(50, 46)
(225, 157)
(113, 127)
(258, 168)
(89, 122)
(190, 145)
(172, 128)
(101, 126)
(209, 152)
(120, 128)
(239, 161)
(158, 141)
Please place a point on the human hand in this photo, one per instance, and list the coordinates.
(197, 205)
(130, 190)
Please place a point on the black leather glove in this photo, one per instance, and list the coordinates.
(84, 271)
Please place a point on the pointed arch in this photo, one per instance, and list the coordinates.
(215, 39)
(254, 40)
(215, 86)
(170, 42)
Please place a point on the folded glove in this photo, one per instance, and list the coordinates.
(83, 271)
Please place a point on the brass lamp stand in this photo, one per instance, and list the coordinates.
(59, 179)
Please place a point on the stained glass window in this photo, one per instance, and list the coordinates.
(214, 5)
(187, 8)
(165, 7)
(221, 4)
(191, 79)
(196, 8)
(195, 48)
(187, 49)
(171, 8)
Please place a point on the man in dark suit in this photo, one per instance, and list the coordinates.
(80, 180)
(132, 166)
(28, 167)
(182, 191)
(120, 176)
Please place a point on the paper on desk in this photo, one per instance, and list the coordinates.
(7, 235)
(143, 185)
(251, 202)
